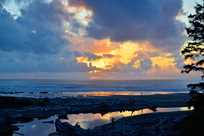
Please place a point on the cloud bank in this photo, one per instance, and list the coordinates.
(90, 36)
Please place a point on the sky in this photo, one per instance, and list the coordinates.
(92, 39)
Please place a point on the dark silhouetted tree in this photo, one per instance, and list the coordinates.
(193, 54)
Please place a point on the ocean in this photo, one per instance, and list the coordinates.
(63, 87)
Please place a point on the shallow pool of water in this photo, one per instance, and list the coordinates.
(36, 127)
(91, 120)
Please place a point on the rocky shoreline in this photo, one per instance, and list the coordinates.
(25, 109)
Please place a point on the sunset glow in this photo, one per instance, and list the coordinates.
(101, 67)
(113, 56)
(94, 39)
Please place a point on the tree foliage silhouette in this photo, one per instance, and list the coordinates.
(193, 54)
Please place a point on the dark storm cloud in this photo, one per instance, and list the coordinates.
(37, 30)
(28, 62)
(152, 20)
(34, 40)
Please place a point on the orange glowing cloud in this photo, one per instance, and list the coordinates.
(107, 55)
(163, 62)
(113, 56)
(102, 56)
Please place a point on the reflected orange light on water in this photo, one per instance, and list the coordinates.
(109, 93)
(97, 119)
(123, 93)
(91, 120)
(113, 93)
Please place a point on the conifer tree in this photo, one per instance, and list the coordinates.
(193, 54)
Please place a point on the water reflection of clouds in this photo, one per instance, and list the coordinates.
(91, 120)
(174, 109)
(36, 128)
